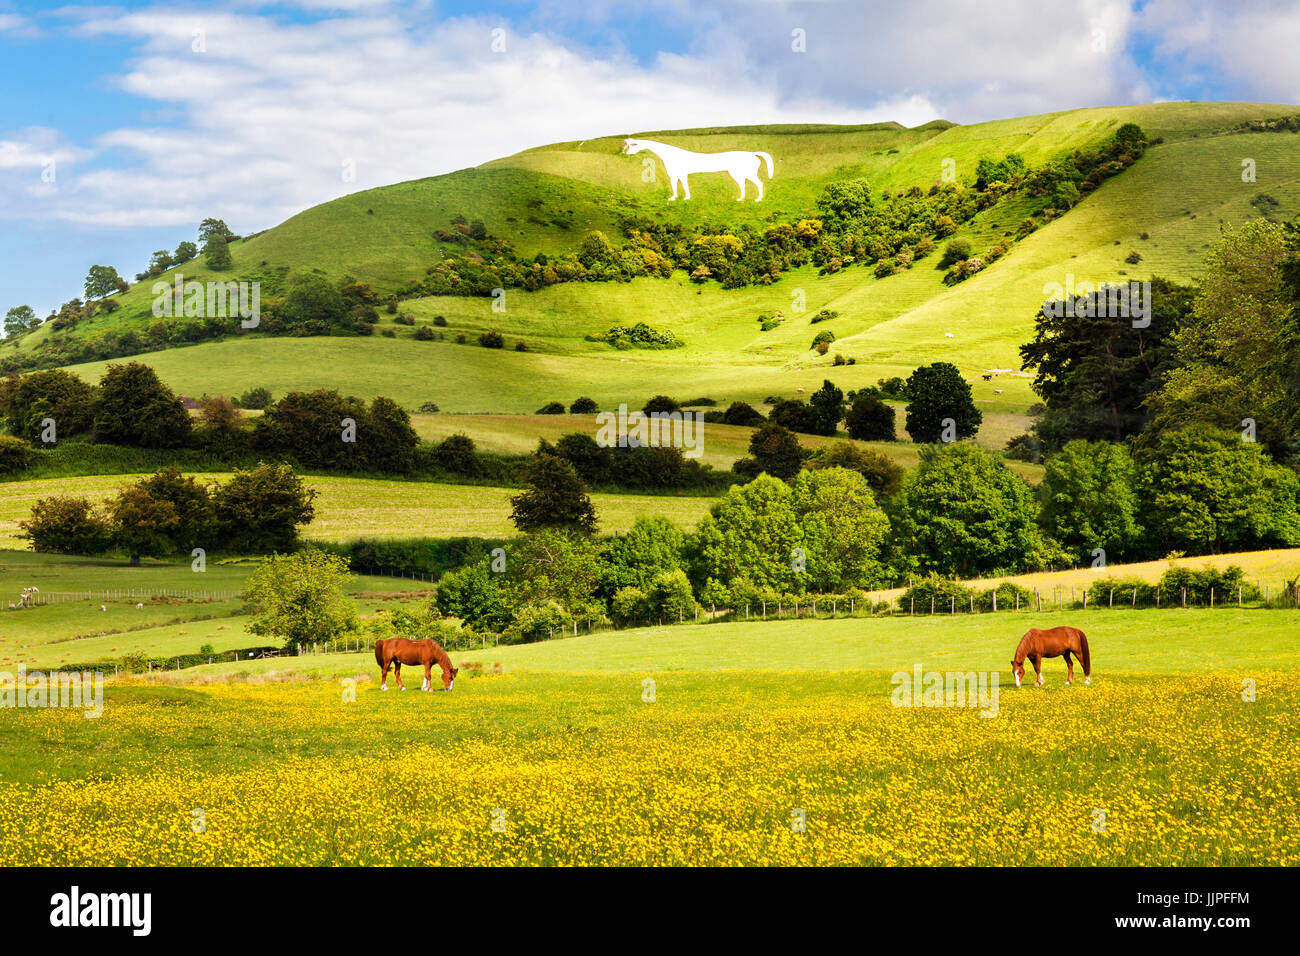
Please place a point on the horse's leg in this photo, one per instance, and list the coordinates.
(397, 672)
(1069, 668)
(1038, 668)
(739, 181)
(428, 677)
(759, 183)
(686, 185)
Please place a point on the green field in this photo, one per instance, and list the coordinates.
(350, 508)
(691, 745)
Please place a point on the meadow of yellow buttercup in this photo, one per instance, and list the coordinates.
(529, 769)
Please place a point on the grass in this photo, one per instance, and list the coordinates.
(1180, 194)
(571, 757)
(350, 508)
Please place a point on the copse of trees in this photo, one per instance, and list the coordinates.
(166, 513)
(323, 429)
(133, 407)
(963, 512)
(869, 418)
(1090, 501)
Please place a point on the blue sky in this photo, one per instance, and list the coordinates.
(148, 117)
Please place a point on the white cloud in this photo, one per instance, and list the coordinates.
(272, 111)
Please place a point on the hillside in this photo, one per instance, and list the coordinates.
(1178, 195)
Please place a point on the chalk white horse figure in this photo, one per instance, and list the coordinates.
(679, 163)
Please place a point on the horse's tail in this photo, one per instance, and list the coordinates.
(767, 158)
(379, 653)
(1083, 654)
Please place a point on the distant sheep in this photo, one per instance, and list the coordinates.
(947, 335)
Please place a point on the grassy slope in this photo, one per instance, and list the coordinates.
(1179, 194)
(348, 508)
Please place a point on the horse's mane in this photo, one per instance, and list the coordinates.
(1023, 645)
(440, 655)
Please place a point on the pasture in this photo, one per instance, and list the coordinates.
(348, 508)
(567, 755)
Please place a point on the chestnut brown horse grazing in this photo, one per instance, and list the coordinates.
(397, 651)
(1055, 641)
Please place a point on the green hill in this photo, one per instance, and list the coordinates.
(1178, 196)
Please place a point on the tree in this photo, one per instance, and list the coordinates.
(583, 406)
(591, 460)
(752, 531)
(214, 227)
(300, 598)
(869, 418)
(15, 454)
(963, 512)
(216, 254)
(1089, 495)
(742, 413)
(20, 319)
(159, 262)
(776, 451)
(473, 594)
(937, 392)
(455, 454)
(388, 440)
(660, 405)
(881, 472)
(184, 253)
(843, 529)
(134, 407)
(313, 305)
(1236, 352)
(195, 517)
(796, 415)
(1205, 490)
(29, 400)
(102, 281)
(652, 546)
(553, 497)
(554, 564)
(828, 404)
(1094, 369)
(260, 510)
(63, 524)
(143, 525)
(312, 428)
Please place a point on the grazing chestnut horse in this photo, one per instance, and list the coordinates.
(1037, 644)
(397, 651)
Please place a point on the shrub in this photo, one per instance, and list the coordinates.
(955, 251)
(53, 393)
(1127, 591)
(63, 524)
(938, 593)
(551, 408)
(15, 454)
(440, 321)
(628, 606)
(492, 340)
(583, 406)
(255, 398)
(455, 454)
(424, 334)
(870, 419)
(1009, 593)
(260, 510)
(660, 404)
(134, 407)
(741, 413)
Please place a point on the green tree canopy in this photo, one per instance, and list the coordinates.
(937, 392)
(300, 597)
(963, 512)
